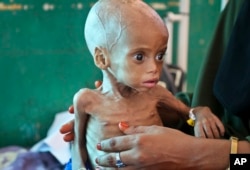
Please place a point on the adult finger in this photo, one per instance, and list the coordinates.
(67, 130)
(69, 137)
(117, 144)
(129, 130)
(71, 109)
(110, 160)
(129, 141)
(67, 127)
(98, 83)
(107, 160)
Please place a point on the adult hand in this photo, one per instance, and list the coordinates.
(207, 124)
(68, 128)
(147, 147)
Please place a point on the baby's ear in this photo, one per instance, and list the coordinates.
(101, 58)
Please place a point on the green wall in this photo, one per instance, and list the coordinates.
(204, 15)
(44, 60)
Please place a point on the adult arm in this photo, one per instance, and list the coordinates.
(147, 147)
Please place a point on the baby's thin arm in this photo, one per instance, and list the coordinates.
(78, 151)
(168, 102)
(207, 124)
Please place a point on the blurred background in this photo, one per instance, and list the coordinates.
(44, 59)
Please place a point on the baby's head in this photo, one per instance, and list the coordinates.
(121, 34)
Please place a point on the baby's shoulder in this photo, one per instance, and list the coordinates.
(85, 95)
(85, 92)
(160, 89)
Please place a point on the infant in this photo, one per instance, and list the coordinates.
(128, 41)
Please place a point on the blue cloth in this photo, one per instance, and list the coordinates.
(68, 166)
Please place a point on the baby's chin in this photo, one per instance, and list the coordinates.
(143, 88)
(135, 88)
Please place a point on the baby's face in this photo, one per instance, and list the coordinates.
(138, 56)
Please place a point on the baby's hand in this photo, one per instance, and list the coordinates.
(207, 125)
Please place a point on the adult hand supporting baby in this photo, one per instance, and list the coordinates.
(208, 125)
(147, 147)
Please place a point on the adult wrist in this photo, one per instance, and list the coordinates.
(243, 146)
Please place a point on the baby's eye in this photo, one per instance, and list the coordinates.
(160, 56)
(139, 57)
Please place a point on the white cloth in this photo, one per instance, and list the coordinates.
(54, 142)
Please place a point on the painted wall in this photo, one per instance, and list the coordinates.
(44, 60)
(204, 15)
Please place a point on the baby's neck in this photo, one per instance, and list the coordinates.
(111, 86)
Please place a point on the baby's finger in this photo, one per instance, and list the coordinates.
(220, 126)
(198, 130)
(207, 130)
(215, 131)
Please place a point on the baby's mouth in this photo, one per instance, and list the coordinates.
(150, 83)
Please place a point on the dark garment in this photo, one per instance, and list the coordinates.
(232, 83)
(204, 91)
(203, 94)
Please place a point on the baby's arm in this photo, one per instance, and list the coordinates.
(78, 150)
(168, 103)
(206, 124)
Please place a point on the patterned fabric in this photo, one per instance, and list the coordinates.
(17, 158)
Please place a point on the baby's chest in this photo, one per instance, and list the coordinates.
(105, 117)
(135, 112)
